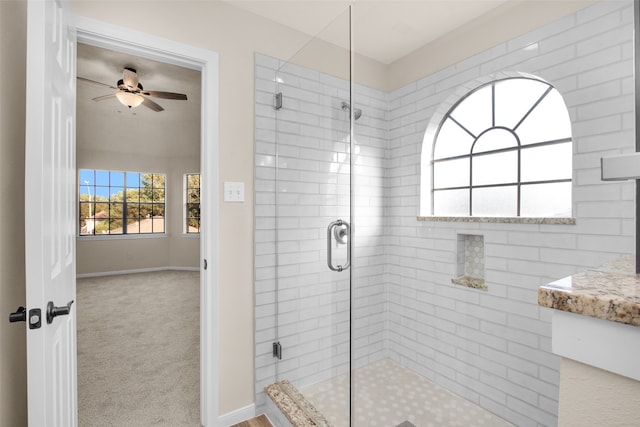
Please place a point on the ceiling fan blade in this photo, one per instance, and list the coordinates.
(150, 104)
(84, 79)
(130, 78)
(103, 97)
(165, 95)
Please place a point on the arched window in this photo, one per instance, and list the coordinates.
(503, 150)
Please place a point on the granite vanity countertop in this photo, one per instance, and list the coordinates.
(610, 292)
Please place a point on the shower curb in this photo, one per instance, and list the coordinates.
(298, 410)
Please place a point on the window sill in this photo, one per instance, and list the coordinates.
(500, 220)
(123, 236)
(191, 235)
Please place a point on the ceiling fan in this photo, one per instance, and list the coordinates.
(132, 94)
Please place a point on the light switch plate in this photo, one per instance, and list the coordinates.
(234, 191)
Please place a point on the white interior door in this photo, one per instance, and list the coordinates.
(49, 214)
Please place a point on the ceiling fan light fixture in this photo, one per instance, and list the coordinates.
(129, 99)
(131, 91)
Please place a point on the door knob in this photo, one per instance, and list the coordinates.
(53, 311)
(19, 316)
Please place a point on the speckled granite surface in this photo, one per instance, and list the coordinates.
(499, 219)
(298, 410)
(470, 282)
(610, 292)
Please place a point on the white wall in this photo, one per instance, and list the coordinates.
(494, 347)
(138, 253)
(139, 140)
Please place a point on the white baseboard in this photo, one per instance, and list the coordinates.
(237, 416)
(134, 271)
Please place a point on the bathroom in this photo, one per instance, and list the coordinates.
(398, 304)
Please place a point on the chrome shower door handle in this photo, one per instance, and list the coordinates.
(338, 228)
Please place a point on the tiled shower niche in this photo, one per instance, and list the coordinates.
(470, 262)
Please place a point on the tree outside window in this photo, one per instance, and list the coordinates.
(116, 203)
(192, 203)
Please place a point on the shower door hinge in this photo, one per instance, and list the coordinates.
(277, 350)
(277, 101)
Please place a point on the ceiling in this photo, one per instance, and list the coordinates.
(384, 30)
(110, 126)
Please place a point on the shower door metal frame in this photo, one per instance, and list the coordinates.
(351, 218)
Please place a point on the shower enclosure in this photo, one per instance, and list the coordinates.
(321, 288)
(320, 214)
(359, 317)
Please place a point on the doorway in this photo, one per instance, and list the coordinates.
(120, 39)
(138, 247)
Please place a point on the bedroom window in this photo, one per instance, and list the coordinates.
(192, 203)
(117, 203)
(504, 150)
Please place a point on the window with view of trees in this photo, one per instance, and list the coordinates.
(192, 203)
(504, 149)
(117, 203)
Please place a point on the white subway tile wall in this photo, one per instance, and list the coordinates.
(491, 347)
(308, 140)
(504, 361)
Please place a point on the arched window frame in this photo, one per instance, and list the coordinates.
(444, 111)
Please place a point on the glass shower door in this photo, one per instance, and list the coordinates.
(312, 222)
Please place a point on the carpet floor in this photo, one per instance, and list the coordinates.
(139, 350)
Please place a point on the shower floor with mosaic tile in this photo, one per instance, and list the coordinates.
(388, 394)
